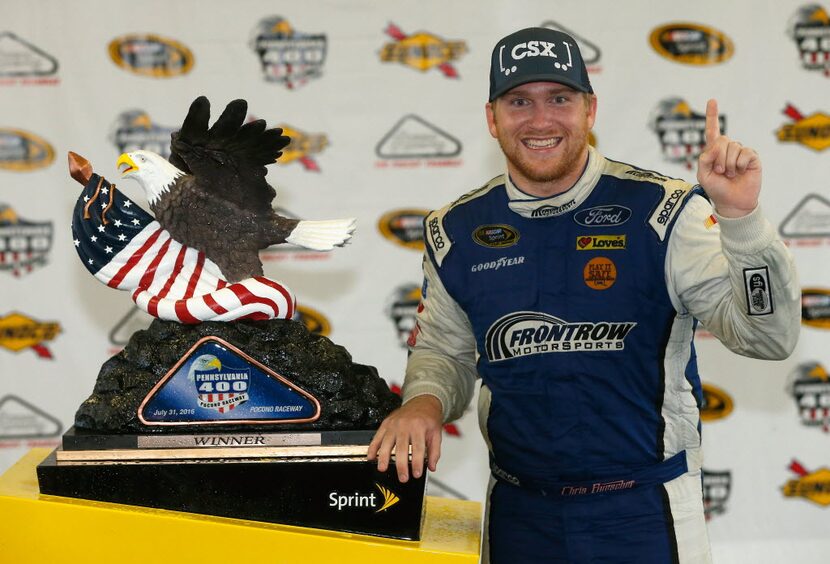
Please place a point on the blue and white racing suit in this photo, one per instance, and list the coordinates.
(578, 312)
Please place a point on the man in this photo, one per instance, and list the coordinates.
(571, 286)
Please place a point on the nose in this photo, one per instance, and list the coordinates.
(542, 117)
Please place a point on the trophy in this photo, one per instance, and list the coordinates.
(224, 405)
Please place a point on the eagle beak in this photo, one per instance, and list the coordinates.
(125, 164)
(215, 363)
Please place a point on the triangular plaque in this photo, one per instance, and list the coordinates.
(810, 218)
(215, 383)
(21, 420)
(415, 138)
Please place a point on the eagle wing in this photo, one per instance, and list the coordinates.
(228, 159)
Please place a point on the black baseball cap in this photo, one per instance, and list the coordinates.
(537, 54)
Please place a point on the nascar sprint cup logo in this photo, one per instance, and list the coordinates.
(525, 333)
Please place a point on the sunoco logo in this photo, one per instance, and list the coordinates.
(23, 63)
(134, 130)
(716, 403)
(691, 44)
(21, 151)
(414, 142)
(21, 420)
(302, 147)
(402, 307)
(528, 332)
(24, 245)
(18, 332)
(151, 55)
(404, 227)
(680, 130)
(313, 320)
(812, 131)
(496, 236)
(382, 502)
(812, 486)
(288, 57)
(600, 242)
(716, 489)
(591, 54)
(602, 216)
(422, 51)
(809, 221)
(809, 385)
(810, 29)
(815, 307)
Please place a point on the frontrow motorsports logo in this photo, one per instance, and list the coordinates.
(716, 489)
(404, 227)
(287, 56)
(810, 29)
(422, 51)
(809, 221)
(21, 151)
(134, 130)
(402, 306)
(414, 142)
(812, 131)
(24, 245)
(18, 332)
(357, 500)
(23, 63)
(147, 54)
(302, 147)
(809, 385)
(691, 44)
(682, 132)
(590, 52)
(716, 403)
(21, 420)
(812, 486)
(815, 307)
(526, 333)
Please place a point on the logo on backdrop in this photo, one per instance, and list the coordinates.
(815, 307)
(302, 147)
(287, 56)
(147, 54)
(21, 151)
(691, 44)
(681, 130)
(716, 489)
(21, 420)
(134, 130)
(25, 64)
(24, 245)
(404, 227)
(19, 332)
(402, 306)
(422, 51)
(812, 131)
(717, 404)
(358, 500)
(809, 222)
(809, 385)
(591, 54)
(414, 142)
(809, 27)
(314, 321)
(812, 486)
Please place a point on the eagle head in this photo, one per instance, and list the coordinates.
(152, 171)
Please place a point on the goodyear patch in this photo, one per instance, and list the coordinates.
(812, 486)
(404, 227)
(22, 151)
(815, 307)
(19, 332)
(717, 404)
(24, 245)
(599, 273)
(422, 51)
(691, 44)
(303, 147)
(809, 27)
(600, 242)
(147, 54)
(496, 236)
(314, 321)
(812, 131)
(287, 56)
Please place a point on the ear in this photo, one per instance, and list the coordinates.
(490, 111)
(592, 111)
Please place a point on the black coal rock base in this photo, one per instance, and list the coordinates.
(337, 494)
(352, 396)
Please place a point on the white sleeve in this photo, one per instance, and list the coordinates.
(443, 355)
(737, 278)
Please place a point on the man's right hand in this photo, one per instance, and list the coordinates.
(418, 423)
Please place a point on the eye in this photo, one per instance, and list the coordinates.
(560, 99)
(519, 102)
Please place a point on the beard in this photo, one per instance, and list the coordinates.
(548, 170)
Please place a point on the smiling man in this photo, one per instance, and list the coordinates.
(583, 336)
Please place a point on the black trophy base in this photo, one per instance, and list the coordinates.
(340, 494)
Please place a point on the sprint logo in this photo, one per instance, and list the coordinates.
(379, 503)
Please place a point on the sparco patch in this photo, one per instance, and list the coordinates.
(815, 307)
(691, 44)
(406, 228)
(496, 236)
(809, 27)
(151, 55)
(603, 216)
(286, 56)
(600, 273)
(24, 245)
(758, 291)
(812, 131)
(600, 242)
(422, 51)
(526, 333)
(21, 151)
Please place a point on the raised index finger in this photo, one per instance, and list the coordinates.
(712, 121)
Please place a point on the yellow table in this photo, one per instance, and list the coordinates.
(37, 528)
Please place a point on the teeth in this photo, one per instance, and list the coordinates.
(542, 143)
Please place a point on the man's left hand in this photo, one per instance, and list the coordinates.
(729, 172)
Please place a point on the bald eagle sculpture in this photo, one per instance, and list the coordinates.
(212, 195)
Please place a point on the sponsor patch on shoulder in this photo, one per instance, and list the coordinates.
(496, 236)
(668, 206)
(758, 292)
